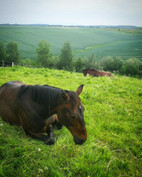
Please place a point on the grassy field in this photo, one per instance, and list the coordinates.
(113, 117)
(84, 41)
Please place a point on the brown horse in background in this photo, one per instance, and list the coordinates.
(95, 73)
(35, 109)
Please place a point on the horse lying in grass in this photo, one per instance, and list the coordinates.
(33, 107)
(93, 72)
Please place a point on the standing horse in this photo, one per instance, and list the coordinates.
(93, 72)
(33, 107)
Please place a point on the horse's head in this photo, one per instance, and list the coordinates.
(70, 114)
(85, 72)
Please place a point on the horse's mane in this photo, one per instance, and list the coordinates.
(41, 94)
(44, 95)
(89, 69)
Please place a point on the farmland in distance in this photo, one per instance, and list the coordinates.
(84, 41)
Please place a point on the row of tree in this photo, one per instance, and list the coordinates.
(65, 60)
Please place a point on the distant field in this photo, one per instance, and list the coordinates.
(84, 41)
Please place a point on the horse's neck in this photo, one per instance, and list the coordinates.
(50, 101)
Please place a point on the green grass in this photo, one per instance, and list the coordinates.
(113, 117)
(84, 41)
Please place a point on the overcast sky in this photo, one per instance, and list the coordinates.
(72, 12)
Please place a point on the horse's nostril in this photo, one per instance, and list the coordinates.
(81, 141)
(78, 140)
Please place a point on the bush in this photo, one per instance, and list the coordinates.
(28, 62)
(90, 61)
(111, 64)
(132, 67)
(79, 65)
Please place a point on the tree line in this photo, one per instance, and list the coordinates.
(65, 60)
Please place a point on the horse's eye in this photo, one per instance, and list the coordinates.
(80, 107)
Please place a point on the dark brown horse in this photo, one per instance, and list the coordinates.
(33, 108)
(93, 72)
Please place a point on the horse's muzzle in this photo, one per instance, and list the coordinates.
(78, 140)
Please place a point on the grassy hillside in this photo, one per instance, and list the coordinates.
(113, 116)
(84, 41)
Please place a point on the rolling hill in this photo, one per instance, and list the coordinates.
(84, 41)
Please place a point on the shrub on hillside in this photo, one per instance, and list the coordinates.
(79, 65)
(90, 61)
(132, 67)
(28, 62)
(111, 63)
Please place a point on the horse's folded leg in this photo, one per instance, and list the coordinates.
(50, 141)
(50, 131)
(38, 136)
(57, 125)
(50, 135)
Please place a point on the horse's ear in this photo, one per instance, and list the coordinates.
(79, 90)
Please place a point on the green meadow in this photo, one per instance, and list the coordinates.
(113, 117)
(84, 41)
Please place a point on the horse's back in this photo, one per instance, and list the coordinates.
(104, 73)
(9, 90)
(8, 101)
(109, 74)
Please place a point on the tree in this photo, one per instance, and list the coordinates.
(117, 63)
(132, 67)
(2, 52)
(107, 64)
(111, 64)
(79, 65)
(43, 53)
(65, 61)
(12, 52)
(28, 62)
(90, 61)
